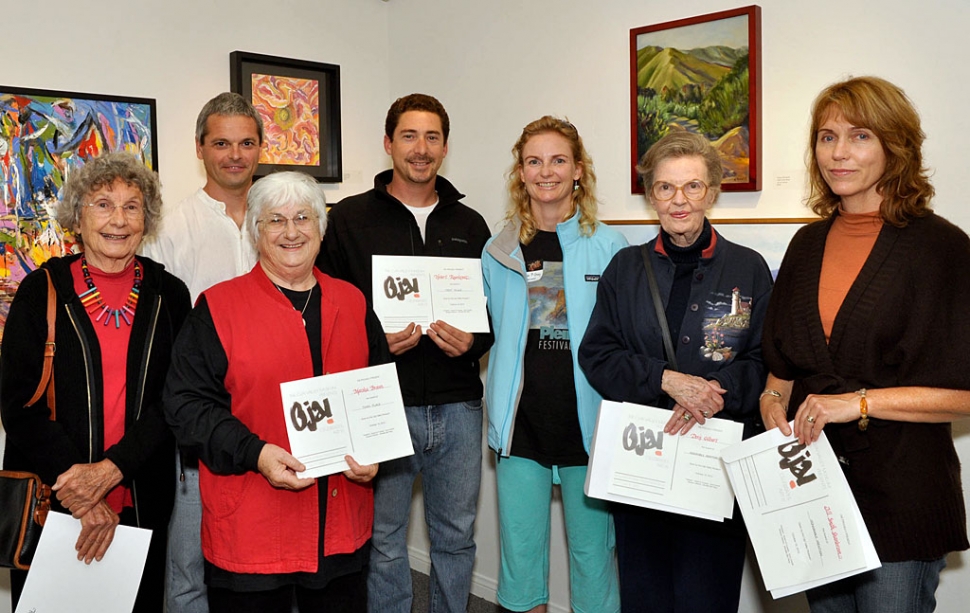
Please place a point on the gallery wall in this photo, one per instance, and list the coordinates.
(497, 65)
(178, 53)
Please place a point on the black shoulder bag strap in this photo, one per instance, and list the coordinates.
(658, 306)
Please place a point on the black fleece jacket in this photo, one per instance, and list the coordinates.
(377, 223)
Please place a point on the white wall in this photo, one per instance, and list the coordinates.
(496, 66)
(499, 64)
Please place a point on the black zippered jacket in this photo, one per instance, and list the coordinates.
(146, 453)
(376, 222)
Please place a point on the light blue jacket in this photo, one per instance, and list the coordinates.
(584, 258)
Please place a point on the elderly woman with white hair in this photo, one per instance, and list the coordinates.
(269, 536)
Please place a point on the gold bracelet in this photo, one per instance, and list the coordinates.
(770, 392)
(863, 410)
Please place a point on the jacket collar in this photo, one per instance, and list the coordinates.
(707, 254)
(505, 246)
(447, 194)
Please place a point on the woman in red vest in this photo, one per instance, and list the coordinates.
(269, 536)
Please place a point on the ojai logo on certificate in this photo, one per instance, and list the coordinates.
(358, 413)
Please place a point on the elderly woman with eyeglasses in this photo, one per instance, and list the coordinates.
(269, 536)
(104, 447)
(714, 295)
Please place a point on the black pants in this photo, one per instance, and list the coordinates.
(346, 594)
(152, 588)
(671, 563)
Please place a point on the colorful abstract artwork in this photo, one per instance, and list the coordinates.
(290, 109)
(299, 102)
(44, 136)
(701, 75)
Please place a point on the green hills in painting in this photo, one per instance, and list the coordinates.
(659, 67)
(703, 90)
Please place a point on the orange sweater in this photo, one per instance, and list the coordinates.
(847, 246)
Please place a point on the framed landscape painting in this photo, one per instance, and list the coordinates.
(45, 135)
(700, 74)
(299, 103)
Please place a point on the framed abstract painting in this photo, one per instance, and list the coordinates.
(299, 102)
(44, 136)
(701, 74)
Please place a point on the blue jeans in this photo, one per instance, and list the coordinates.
(185, 590)
(896, 587)
(447, 440)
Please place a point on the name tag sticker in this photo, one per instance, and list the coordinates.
(592, 278)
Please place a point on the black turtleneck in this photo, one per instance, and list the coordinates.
(686, 260)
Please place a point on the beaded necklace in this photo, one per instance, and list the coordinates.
(93, 302)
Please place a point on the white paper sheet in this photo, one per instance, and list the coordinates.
(421, 290)
(58, 582)
(358, 413)
(634, 462)
(802, 519)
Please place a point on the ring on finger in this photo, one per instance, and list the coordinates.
(687, 416)
(811, 419)
(706, 414)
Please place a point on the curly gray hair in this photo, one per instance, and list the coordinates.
(103, 171)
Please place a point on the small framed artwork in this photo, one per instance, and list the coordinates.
(299, 102)
(701, 74)
(45, 135)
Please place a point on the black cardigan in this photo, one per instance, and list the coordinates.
(146, 453)
(904, 322)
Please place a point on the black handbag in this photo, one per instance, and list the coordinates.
(24, 499)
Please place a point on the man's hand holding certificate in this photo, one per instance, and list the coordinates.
(422, 290)
(357, 413)
(803, 521)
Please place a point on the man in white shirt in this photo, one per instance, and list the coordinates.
(202, 241)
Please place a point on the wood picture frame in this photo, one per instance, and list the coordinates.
(701, 74)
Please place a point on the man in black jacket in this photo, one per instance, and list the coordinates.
(413, 212)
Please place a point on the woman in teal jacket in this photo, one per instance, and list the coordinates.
(541, 273)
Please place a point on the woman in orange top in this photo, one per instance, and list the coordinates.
(864, 339)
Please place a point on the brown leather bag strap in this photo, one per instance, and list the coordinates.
(47, 377)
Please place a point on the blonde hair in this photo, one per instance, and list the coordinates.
(584, 200)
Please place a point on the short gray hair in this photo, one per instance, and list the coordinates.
(228, 104)
(102, 171)
(280, 189)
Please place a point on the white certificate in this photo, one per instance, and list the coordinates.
(803, 521)
(634, 462)
(357, 413)
(57, 581)
(420, 290)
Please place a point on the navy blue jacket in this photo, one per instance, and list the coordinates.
(720, 337)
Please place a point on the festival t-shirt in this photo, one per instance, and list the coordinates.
(546, 423)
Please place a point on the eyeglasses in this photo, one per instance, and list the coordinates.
(693, 190)
(104, 209)
(277, 223)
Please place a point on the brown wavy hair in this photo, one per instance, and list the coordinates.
(877, 105)
(584, 199)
